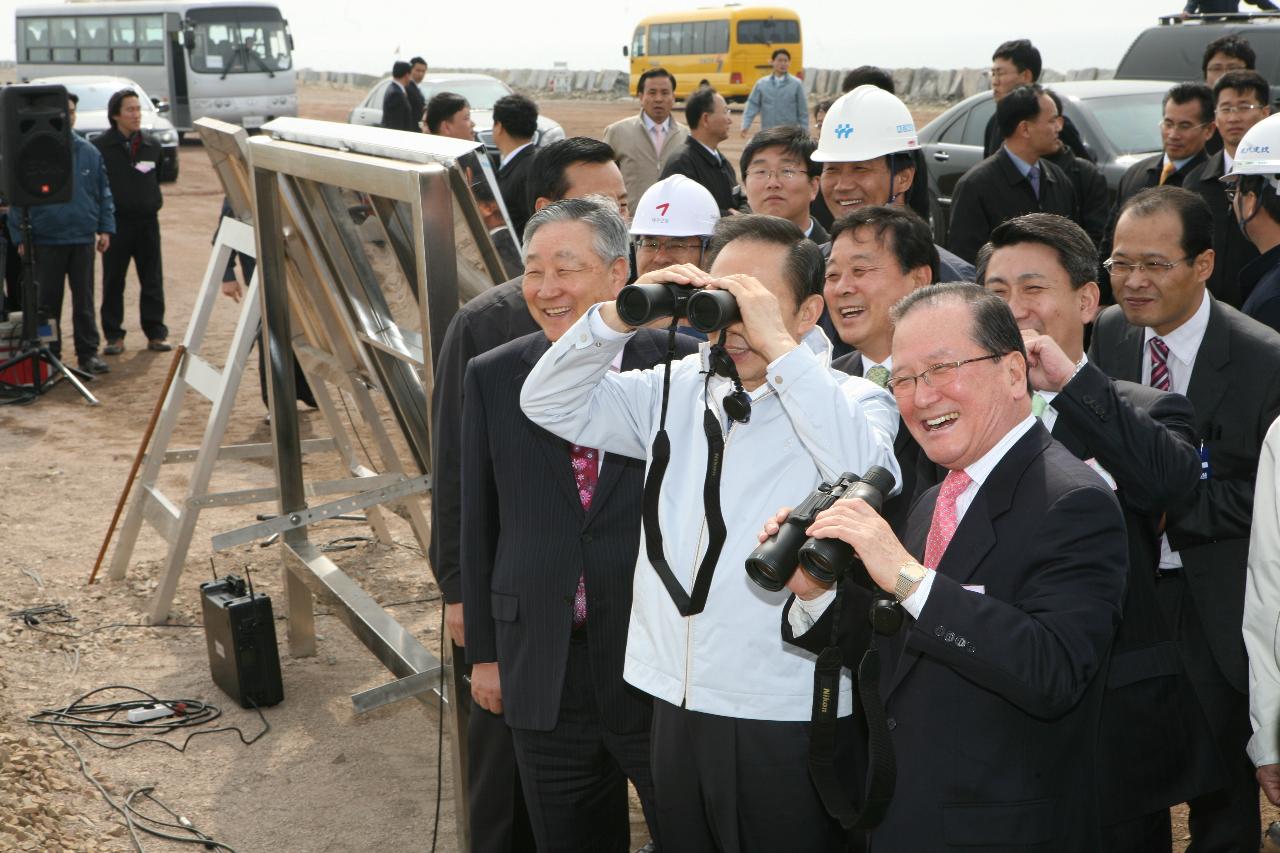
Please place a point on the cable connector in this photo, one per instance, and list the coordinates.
(149, 712)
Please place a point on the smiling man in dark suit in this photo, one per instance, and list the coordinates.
(1142, 441)
(550, 535)
(1012, 575)
(1168, 332)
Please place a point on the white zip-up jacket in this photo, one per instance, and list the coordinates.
(808, 423)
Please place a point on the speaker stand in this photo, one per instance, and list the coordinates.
(33, 350)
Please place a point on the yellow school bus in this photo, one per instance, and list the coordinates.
(728, 48)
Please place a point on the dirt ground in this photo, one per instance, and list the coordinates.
(323, 778)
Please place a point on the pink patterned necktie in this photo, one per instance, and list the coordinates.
(1159, 364)
(659, 135)
(586, 473)
(944, 517)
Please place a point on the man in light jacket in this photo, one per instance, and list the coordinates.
(731, 701)
(778, 98)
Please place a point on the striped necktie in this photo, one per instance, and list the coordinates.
(1159, 364)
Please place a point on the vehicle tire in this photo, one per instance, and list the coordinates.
(169, 171)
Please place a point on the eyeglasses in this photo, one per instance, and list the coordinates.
(654, 244)
(785, 175)
(1122, 270)
(1222, 69)
(1181, 126)
(938, 376)
(1232, 109)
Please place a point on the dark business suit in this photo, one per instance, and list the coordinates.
(1235, 389)
(1142, 175)
(397, 114)
(993, 698)
(1261, 280)
(1231, 249)
(1070, 136)
(995, 191)
(714, 172)
(417, 104)
(917, 471)
(1093, 202)
(526, 540)
(818, 234)
(513, 182)
(1146, 440)
(499, 821)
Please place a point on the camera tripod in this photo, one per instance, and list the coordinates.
(34, 351)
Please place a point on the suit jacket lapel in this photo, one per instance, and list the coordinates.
(975, 537)
(1206, 387)
(1131, 353)
(555, 449)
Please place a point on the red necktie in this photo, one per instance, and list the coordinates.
(1159, 364)
(135, 142)
(944, 517)
(586, 473)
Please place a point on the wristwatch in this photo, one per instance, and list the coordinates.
(909, 576)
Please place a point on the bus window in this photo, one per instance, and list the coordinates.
(150, 35)
(637, 43)
(35, 39)
(64, 39)
(717, 37)
(123, 40)
(678, 40)
(769, 31)
(94, 40)
(239, 41)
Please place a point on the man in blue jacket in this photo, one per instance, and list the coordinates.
(65, 236)
(778, 98)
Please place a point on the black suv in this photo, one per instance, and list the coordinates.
(1174, 50)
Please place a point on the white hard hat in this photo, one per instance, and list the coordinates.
(865, 124)
(1259, 152)
(675, 207)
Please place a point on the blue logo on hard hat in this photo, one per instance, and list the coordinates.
(844, 131)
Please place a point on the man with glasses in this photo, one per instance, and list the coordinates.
(1168, 332)
(1241, 100)
(1143, 442)
(1017, 63)
(780, 177)
(1011, 575)
(1016, 179)
(673, 223)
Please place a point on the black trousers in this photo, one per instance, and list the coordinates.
(575, 776)
(73, 264)
(1150, 833)
(136, 240)
(499, 818)
(1228, 820)
(737, 786)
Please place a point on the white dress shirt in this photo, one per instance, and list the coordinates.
(505, 160)
(1184, 343)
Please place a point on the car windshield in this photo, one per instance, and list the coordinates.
(1130, 122)
(480, 94)
(94, 96)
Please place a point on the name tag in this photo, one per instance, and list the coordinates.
(980, 589)
(1102, 472)
(144, 166)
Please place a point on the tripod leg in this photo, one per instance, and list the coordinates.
(69, 374)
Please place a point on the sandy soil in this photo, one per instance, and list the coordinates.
(323, 778)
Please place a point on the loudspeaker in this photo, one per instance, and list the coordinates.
(35, 145)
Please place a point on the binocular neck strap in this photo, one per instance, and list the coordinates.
(881, 764)
(660, 457)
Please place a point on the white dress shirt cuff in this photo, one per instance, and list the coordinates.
(600, 330)
(803, 614)
(914, 603)
(1264, 746)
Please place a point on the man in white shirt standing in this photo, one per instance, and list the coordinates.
(1011, 575)
(778, 99)
(731, 702)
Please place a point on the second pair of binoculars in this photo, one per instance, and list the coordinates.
(827, 561)
(705, 310)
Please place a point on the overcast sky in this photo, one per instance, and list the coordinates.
(365, 35)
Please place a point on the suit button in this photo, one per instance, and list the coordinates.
(937, 632)
(891, 723)
(586, 539)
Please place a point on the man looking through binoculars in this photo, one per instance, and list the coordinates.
(730, 700)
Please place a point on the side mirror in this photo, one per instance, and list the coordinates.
(161, 105)
(625, 51)
(189, 39)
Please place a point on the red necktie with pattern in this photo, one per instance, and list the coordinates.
(586, 473)
(944, 517)
(1159, 364)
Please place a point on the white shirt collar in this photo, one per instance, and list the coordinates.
(809, 230)
(1177, 164)
(650, 124)
(867, 364)
(713, 152)
(1184, 341)
(509, 157)
(396, 83)
(979, 471)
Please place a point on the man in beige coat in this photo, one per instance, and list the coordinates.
(644, 144)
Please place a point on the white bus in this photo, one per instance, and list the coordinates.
(227, 60)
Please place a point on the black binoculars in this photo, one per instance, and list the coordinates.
(706, 310)
(826, 560)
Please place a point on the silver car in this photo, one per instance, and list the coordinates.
(481, 92)
(95, 92)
